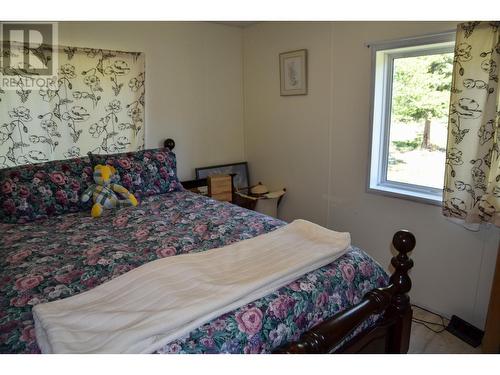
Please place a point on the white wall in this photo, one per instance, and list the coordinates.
(317, 146)
(286, 138)
(193, 83)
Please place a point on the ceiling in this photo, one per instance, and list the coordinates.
(241, 24)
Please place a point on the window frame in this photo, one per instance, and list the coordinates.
(382, 59)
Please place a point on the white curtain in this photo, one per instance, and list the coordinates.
(96, 104)
(472, 178)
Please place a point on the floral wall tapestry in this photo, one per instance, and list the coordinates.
(96, 104)
(472, 177)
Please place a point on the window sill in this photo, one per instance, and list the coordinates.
(416, 196)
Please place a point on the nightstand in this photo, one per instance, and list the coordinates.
(200, 186)
(219, 187)
(266, 203)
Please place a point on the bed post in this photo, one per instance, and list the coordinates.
(400, 308)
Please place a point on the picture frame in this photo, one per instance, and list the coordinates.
(240, 180)
(293, 72)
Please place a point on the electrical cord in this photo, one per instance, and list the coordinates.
(426, 323)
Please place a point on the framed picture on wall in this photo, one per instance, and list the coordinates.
(293, 72)
(239, 169)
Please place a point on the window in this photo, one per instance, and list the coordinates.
(412, 81)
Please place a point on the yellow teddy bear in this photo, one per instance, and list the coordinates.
(104, 191)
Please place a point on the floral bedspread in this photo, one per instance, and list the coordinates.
(65, 255)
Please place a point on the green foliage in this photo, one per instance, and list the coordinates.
(404, 146)
(421, 87)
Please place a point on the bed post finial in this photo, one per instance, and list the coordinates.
(404, 242)
(169, 143)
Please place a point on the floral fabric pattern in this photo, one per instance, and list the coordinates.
(283, 316)
(144, 173)
(95, 104)
(66, 255)
(472, 177)
(36, 191)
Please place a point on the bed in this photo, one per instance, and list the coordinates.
(350, 305)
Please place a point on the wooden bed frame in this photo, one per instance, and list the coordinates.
(391, 332)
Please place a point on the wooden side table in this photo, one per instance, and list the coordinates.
(243, 200)
(265, 203)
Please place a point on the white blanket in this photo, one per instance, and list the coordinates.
(152, 305)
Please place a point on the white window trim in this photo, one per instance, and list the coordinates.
(380, 119)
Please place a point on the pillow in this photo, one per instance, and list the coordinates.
(36, 191)
(144, 173)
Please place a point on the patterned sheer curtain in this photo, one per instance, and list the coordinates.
(96, 104)
(472, 177)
